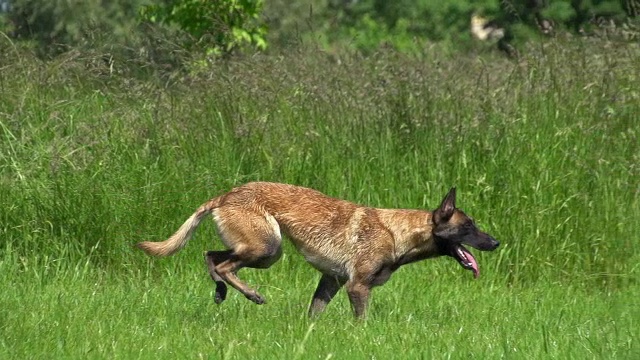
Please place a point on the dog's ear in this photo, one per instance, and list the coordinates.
(446, 208)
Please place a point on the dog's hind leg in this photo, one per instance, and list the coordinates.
(228, 263)
(327, 289)
(254, 241)
(221, 288)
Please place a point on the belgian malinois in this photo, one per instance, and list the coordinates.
(351, 245)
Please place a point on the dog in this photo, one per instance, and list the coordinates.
(354, 246)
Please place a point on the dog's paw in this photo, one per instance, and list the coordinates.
(221, 292)
(256, 298)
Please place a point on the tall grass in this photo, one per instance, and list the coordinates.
(544, 152)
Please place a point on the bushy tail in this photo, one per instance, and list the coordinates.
(178, 240)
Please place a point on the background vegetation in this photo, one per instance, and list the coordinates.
(217, 28)
(106, 144)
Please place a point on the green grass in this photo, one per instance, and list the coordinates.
(545, 154)
(80, 313)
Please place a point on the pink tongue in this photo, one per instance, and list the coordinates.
(474, 263)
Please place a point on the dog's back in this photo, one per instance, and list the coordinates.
(322, 228)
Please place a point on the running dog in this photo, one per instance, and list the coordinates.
(354, 246)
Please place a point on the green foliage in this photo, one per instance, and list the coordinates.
(213, 26)
(584, 14)
(55, 25)
(410, 25)
(220, 27)
(560, 11)
(368, 34)
(217, 26)
(396, 23)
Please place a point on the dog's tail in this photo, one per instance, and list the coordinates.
(178, 240)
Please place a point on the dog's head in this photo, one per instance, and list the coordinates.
(452, 228)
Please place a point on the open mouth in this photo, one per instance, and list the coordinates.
(465, 259)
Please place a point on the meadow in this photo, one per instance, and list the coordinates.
(544, 152)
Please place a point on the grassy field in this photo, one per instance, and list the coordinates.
(545, 153)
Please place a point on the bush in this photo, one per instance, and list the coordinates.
(218, 27)
(55, 25)
(366, 24)
(213, 26)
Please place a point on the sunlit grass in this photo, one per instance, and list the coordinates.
(544, 153)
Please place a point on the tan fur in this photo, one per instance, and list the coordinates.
(178, 240)
(349, 244)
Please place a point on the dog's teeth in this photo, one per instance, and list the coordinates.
(462, 255)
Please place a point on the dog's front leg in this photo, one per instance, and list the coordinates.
(327, 289)
(359, 297)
